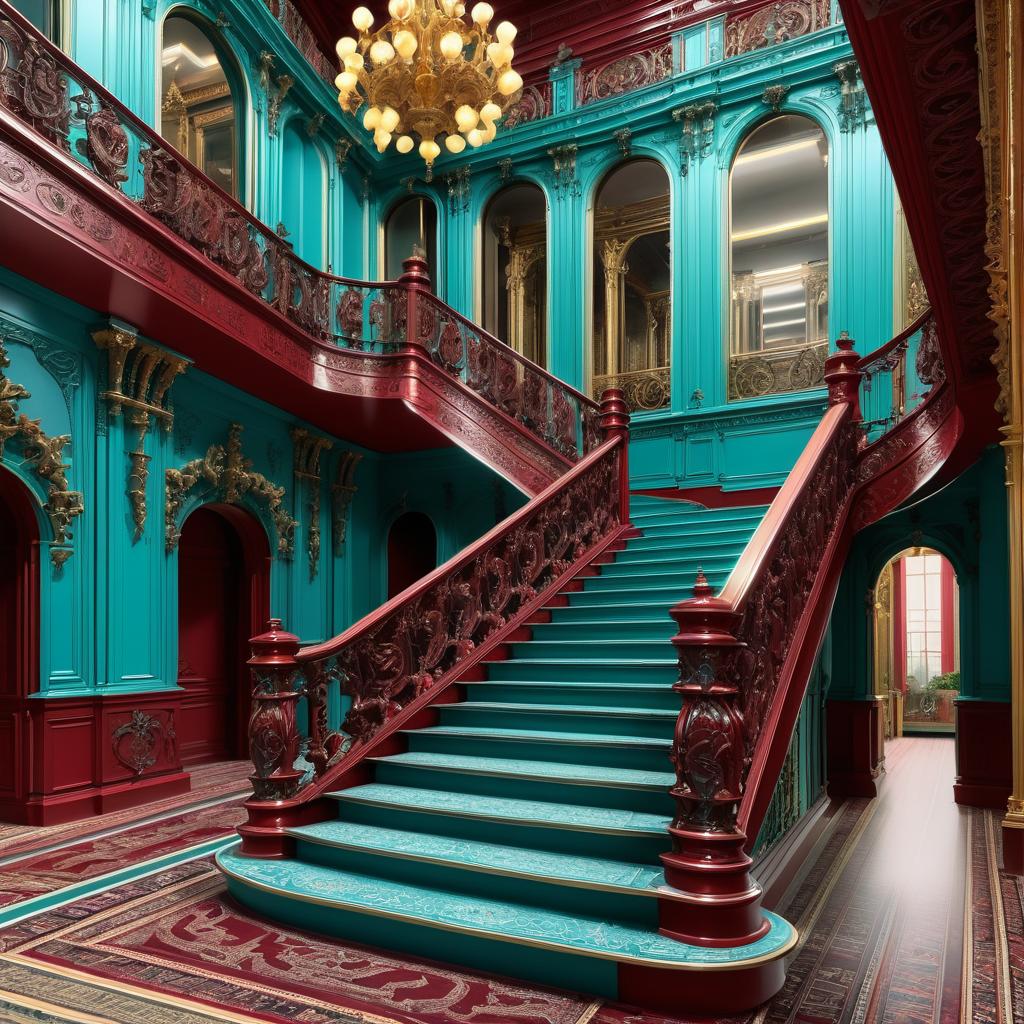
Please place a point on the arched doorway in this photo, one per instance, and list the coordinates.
(19, 636)
(515, 270)
(632, 297)
(917, 642)
(412, 551)
(223, 601)
(411, 225)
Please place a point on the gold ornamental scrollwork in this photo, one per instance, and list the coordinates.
(343, 490)
(139, 379)
(307, 448)
(229, 476)
(45, 455)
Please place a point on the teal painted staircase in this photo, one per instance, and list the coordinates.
(520, 834)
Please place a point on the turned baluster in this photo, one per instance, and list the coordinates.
(722, 902)
(614, 419)
(274, 738)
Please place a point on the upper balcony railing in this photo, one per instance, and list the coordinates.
(44, 90)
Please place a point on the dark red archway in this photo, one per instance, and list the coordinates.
(223, 600)
(412, 551)
(19, 637)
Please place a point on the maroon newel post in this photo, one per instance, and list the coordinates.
(718, 903)
(842, 376)
(615, 422)
(415, 279)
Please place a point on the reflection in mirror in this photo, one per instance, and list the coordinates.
(515, 270)
(199, 112)
(411, 226)
(632, 285)
(779, 256)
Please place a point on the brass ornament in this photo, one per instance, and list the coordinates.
(343, 490)
(307, 448)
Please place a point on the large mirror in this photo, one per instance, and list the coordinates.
(778, 330)
(632, 314)
(200, 113)
(515, 270)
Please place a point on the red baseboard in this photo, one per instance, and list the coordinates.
(969, 794)
(714, 497)
(1013, 850)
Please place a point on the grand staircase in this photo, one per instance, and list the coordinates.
(521, 833)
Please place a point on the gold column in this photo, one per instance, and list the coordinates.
(613, 259)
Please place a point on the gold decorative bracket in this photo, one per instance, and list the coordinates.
(275, 87)
(307, 450)
(139, 379)
(343, 490)
(697, 133)
(229, 476)
(45, 454)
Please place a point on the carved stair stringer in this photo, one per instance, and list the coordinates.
(408, 656)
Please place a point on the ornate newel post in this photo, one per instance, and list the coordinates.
(718, 903)
(615, 422)
(273, 730)
(842, 376)
(415, 280)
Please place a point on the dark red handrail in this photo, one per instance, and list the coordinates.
(873, 359)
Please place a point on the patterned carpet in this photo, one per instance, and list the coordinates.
(881, 904)
(209, 782)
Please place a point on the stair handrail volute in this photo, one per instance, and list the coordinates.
(400, 658)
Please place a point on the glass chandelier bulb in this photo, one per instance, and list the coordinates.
(499, 54)
(451, 45)
(404, 144)
(506, 32)
(382, 139)
(466, 118)
(429, 150)
(389, 119)
(354, 61)
(490, 130)
(475, 138)
(346, 81)
(405, 44)
(490, 112)
(482, 14)
(381, 52)
(460, 10)
(455, 143)
(371, 119)
(509, 82)
(400, 9)
(346, 45)
(362, 18)
(448, 6)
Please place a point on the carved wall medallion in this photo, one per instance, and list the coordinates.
(307, 450)
(139, 378)
(228, 476)
(135, 744)
(45, 455)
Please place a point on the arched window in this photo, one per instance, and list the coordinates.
(411, 225)
(778, 325)
(200, 111)
(633, 285)
(515, 247)
(302, 195)
(44, 14)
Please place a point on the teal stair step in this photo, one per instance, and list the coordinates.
(608, 592)
(647, 670)
(640, 695)
(621, 611)
(681, 549)
(687, 539)
(597, 627)
(573, 774)
(642, 753)
(734, 533)
(693, 513)
(641, 649)
(506, 810)
(647, 562)
(584, 718)
(555, 945)
(646, 584)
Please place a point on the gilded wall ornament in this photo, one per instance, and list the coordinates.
(227, 475)
(697, 131)
(135, 743)
(275, 87)
(307, 450)
(458, 190)
(139, 379)
(45, 455)
(343, 490)
(563, 160)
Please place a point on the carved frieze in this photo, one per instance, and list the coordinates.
(775, 23)
(225, 474)
(45, 455)
(307, 450)
(624, 75)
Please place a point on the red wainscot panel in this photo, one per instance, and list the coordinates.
(984, 753)
(856, 751)
(90, 755)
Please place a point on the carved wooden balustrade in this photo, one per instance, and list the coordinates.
(746, 655)
(44, 90)
(401, 658)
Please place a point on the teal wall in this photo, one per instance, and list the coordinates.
(109, 615)
(966, 521)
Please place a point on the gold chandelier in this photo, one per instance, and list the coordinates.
(429, 74)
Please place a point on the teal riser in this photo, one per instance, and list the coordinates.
(603, 649)
(635, 910)
(653, 562)
(611, 628)
(594, 672)
(658, 696)
(670, 587)
(646, 801)
(611, 593)
(548, 967)
(642, 847)
(654, 724)
(653, 759)
(681, 548)
(637, 611)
